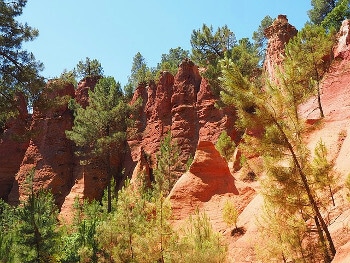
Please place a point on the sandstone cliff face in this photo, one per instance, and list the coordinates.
(13, 144)
(49, 151)
(183, 105)
(278, 34)
(208, 176)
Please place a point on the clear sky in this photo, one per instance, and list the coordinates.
(113, 31)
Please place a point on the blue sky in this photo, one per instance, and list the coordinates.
(113, 31)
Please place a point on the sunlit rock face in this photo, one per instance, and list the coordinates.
(182, 105)
(208, 175)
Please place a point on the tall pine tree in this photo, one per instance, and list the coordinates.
(308, 58)
(19, 71)
(37, 236)
(101, 128)
(286, 158)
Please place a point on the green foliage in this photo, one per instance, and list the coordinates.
(19, 71)
(230, 214)
(128, 91)
(100, 129)
(68, 77)
(103, 123)
(245, 56)
(308, 57)
(334, 18)
(79, 243)
(209, 46)
(88, 68)
(260, 40)
(171, 61)
(37, 235)
(200, 243)
(128, 222)
(8, 222)
(289, 180)
(138, 230)
(323, 173)
(329, 13)
(141, 74)
(320, 9)
(284, 236)
(225, 146)
(168, 164)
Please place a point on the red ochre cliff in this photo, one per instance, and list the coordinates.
(183, 105)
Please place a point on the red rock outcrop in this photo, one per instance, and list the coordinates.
(82, 92)
(342, 49)
(13, 144)
(278, 34)
(335, 87)
(208, 176)
(210, 117)
(183, 105)
(185, 125)
(49, 152)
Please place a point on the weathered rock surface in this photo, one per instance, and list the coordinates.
(342, 49)
(49, 152)
(13, 144)
(208, 176)
(278, 34)
(185, 124)
(183, 105)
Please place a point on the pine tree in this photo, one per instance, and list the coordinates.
(88, 68)
(79, 242)
(128, 234)
(101, 128)
(230, 214)
(260, 40)
(37, 235)
(8, 221)
(19, 71)
(171, 61)
(245, 56)
(168, 165)
(320, 9)
(208, 47)
(225, 146)
(140, 72)
(286, 158)
(199, 242)
(339, 13)
(308, 57)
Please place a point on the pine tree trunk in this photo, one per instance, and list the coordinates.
(327, 258)
(319, 100)
(308, 191)
(109, 175)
